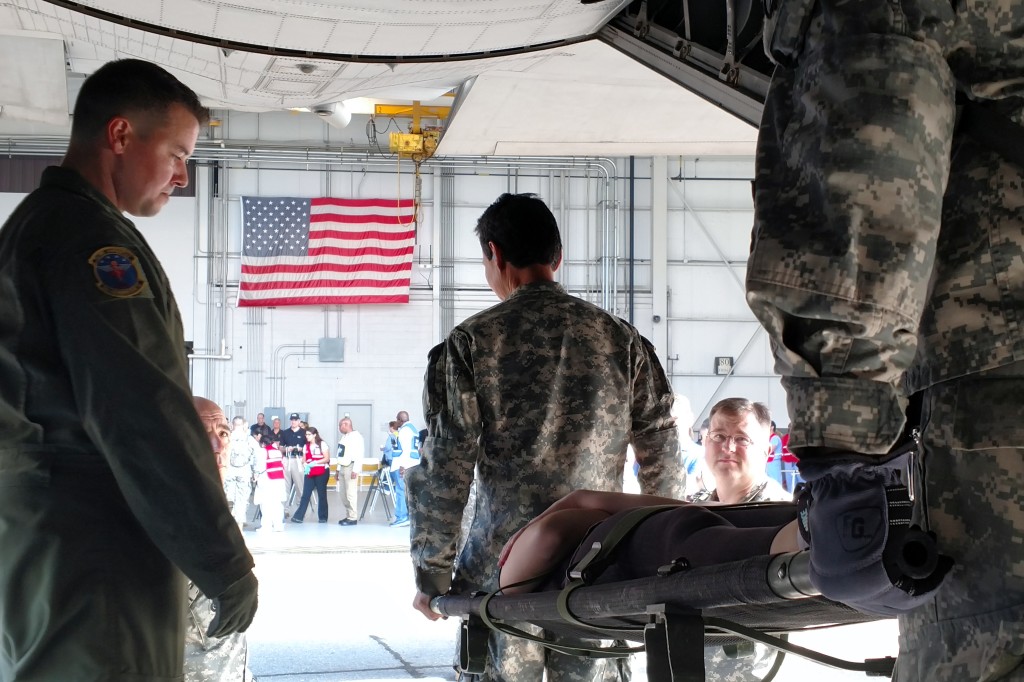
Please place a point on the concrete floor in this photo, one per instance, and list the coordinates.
(335, 606)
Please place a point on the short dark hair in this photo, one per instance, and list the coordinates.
(524, 228)
(737, 407)
(125, 87)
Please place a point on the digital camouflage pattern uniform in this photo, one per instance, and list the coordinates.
(212, 659)
(749, 662)
(888, 262)
(541, 393)
(241, 463)
(97, 515)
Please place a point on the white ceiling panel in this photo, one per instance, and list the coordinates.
(33, 83)
(182, 12)
(311, 33)
(580, 98)
(414, 37)
(452, 39)
(243, 25)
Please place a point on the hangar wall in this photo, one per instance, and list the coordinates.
(688, 233)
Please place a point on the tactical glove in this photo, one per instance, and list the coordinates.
(864, 551)
(234, 608)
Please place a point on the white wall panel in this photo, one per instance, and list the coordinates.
(709, 215)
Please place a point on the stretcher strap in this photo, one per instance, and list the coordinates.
(597, 559)
(594, 562)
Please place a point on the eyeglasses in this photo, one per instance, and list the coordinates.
(741, 442)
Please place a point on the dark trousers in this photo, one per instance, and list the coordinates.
(309, 483)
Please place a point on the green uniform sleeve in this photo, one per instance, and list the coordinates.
(124, 352)
(439, 487)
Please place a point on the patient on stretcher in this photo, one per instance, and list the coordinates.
(539, 556)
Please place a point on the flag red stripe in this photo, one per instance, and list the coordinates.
(312, 283)
(325, 267)
(356, 219)
(365, 234)
(360, 251)
(363, 203)
(322, 300)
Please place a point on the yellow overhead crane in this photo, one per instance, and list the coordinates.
(421, 141)
(418, 144)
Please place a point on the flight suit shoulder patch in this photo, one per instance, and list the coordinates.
(117, 272)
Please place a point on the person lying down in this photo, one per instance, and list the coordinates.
(539, 556)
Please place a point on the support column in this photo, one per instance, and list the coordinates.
(659, 255)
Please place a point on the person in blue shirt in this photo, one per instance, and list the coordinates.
(405, 457)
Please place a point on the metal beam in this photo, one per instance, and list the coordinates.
(693, 67)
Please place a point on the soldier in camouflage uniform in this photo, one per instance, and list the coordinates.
(749, 661)
(887, 266)
(213, 659)
(241, 464)
(542, 393)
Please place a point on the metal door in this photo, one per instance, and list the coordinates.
(361, 415)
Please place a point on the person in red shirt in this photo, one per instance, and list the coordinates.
(317, 459)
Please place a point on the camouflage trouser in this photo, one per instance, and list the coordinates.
(888, 261)
(208, 658)
(237, 490)
(973, 488)
(512, 659)
(865, 264)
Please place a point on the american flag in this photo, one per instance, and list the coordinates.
(325, 251)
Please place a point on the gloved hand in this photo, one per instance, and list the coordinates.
(864, 551)
(234, 608)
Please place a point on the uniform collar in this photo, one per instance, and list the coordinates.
(70, 180)
(536, 287)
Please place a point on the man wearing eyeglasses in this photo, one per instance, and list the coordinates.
(736, 453)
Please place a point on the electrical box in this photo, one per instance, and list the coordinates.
(406, 143)
(332, 350)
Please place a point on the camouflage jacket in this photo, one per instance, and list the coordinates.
(541, 395)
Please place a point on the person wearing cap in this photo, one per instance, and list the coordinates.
(293, 447)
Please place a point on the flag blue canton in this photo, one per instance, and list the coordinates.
(277, 226)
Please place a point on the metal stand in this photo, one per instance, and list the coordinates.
(379, 487)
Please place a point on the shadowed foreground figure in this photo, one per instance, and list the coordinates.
(888, 269)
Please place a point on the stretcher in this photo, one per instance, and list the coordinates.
(672, 616)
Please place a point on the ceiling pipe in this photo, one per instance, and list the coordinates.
(226, 150)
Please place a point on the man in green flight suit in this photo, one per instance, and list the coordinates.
(93, 533)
